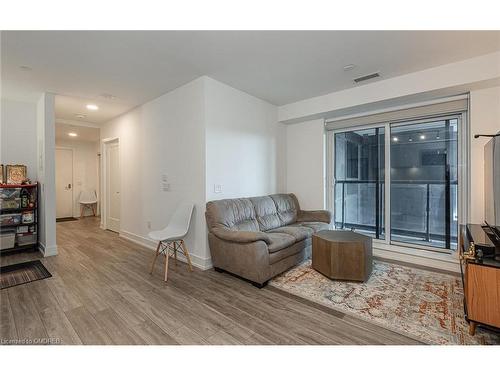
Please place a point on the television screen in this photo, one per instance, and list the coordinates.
(492, 182)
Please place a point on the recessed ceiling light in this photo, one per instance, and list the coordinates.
(349, 67)
(422, 136)
(108, 96)
(92, 107)
(79, 115)
(72, 134)
(395, 139)
(26, 68)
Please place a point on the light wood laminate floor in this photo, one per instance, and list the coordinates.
(101, 293)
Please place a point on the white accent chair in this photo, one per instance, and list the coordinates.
(171, 238)
(88, 199)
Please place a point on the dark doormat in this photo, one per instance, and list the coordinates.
(61, 219)
(22, 273)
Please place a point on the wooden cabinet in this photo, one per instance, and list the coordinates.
(482, 294)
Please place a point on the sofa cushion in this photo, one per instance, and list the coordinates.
(266, 213)
(296, 248)
(279, 241)
(234, 214)
(296, 231)
(316, 226)
(287, 207)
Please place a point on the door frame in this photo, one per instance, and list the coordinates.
(72, 149)
(105, 143)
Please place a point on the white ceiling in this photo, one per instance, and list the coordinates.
(67, 107)
(278, 66)
(84, 133)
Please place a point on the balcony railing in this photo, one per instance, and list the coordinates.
(422, 212)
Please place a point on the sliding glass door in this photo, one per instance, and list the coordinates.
(422, 157)
(423, 186)
(359, 180)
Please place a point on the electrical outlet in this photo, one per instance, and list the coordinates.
(217, 188)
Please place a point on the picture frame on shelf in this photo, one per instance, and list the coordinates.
(16, 174)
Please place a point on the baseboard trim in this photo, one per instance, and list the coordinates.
(47, 251)
(196, 260)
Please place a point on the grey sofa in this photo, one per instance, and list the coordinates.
(260, 237)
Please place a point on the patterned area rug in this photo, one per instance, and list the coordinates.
(420, 304)
(22, 273)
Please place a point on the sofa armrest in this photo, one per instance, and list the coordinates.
(324, 216)
(241, 236)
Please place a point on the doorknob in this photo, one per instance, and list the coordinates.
(69, 186)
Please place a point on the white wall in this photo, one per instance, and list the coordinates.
(244, 144)
(27, 137)
(164, 136)
(45, 130)
(306, 138)
(18, 135)
(305, 163)
(201, 134)
(85, 169)
(457, 77)
(480, 76)
(485, 119)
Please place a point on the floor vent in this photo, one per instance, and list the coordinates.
(367, 77)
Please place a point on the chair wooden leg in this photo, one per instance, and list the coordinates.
(175, 253)
(166, 264)
(186, 253)
(93, 208)
(154, 259)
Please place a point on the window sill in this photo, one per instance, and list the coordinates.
(426, 258)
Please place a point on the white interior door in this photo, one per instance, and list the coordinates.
(64, 183)
(113, 187)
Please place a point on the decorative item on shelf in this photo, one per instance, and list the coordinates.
(9, 193)
(23, 229)
(16, 174)
(1, 174)
(9, 204)
(10, 219)
(32, 198)
(28, 217)
(25, 198)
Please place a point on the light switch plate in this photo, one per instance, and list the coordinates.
(217, 188)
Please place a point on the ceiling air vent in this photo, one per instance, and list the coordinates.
(367, 77)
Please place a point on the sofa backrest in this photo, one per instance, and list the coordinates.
(253, 214)
(287, 206)
(233, 214)
(266, 213)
